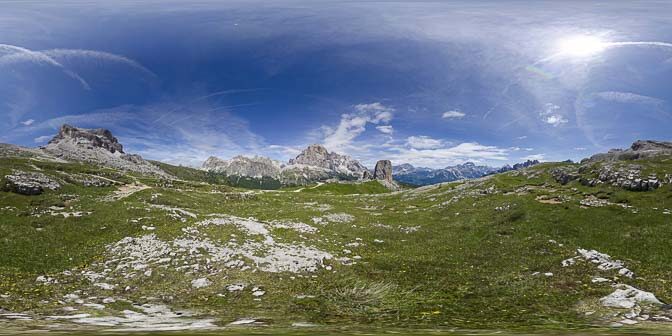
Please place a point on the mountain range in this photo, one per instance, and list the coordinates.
(313, 164)
(420, 176)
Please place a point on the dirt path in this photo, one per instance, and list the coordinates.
(313, 187)
(126, 190)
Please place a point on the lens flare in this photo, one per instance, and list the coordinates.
(581, 46)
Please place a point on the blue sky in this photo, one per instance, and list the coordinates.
(430, 83)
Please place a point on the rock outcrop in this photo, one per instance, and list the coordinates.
(564, 175)
(97, 146)
(29, 183)
(383, 170)
(640, 149)
(627, 177)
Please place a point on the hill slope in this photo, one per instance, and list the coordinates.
(526, 247)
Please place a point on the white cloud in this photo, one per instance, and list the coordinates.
(551, 116)
(580, 148)
(352, 125)
(387, 129)
(628, 97)
(423, 142)
(43, 139)
(453, 115)
(378, 110)
(446, 156)
(28, 122)
(539, 157)
(522, 137)
(286, 151)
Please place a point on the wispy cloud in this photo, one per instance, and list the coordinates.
(78, 55)
(28, 122)
(386, 129)
(628, 98)
(454, 114)
(11, 54)
(14, 54)
(43, 139)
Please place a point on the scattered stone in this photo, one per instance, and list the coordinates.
(235, 287)
(200, 283)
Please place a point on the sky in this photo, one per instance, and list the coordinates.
(431, 83)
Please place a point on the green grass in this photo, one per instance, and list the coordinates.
(371, 187)
(468, 265)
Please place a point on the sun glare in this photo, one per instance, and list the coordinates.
(581, 46)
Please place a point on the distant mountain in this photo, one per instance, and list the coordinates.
(318, 156)
(517, 166)
(313, 164)
(407, 173)
(245, 166)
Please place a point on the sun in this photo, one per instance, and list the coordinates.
(579, 46)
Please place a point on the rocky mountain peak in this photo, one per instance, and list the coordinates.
(97, 146)
(318, 156)
(97, 138)
(311, 155)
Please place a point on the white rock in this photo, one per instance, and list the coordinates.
(243, 322)
(599, 280)
(200, 283)
(104, 286)
(94, 306)
(235, 287)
